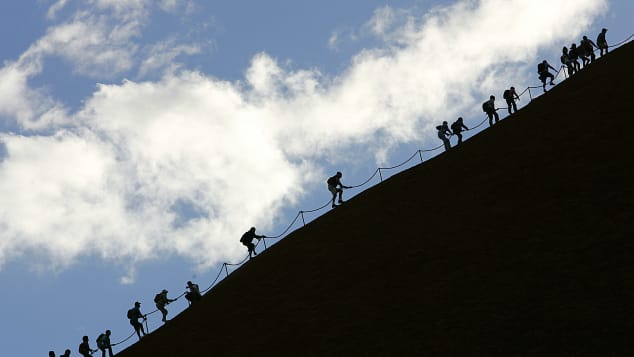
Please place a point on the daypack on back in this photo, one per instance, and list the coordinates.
(506, 94)
(101, 341)
(541, 68)
(485, 106)
(157, 298)
(439, 127)
(83, 348)
(455, 127)
(131, 313)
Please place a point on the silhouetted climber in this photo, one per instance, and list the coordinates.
(335, 186)
(456, 128)
(247, 240)
(66, 353)
(602, 43)
(161, 301)
(542, 70)
(443, 134)
(565, 59)
(193, 294)
(510, 95)
(51, 354)
(489, 108)
(103, 343)
(587, 46)
(84, 348)
(134, 315)
(574, 56)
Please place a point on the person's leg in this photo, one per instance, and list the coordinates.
(514, 106)
(333, 191)
(340, 194)
(509, 104)
(110, 354)
(497, 117)
(490, 115)
(459, 135)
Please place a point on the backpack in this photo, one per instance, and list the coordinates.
(455, 127)
(331, 181)
(157, 298)
(101, 341)
(439, 127)
(541, 68)
(506, 94)
(83, 348)
(485, 106)
(131, 314)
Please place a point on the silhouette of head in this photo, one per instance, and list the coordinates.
(67, 352)
(460, 119)
(137, 304)
(585, 37)
(85, 338)
(604, 30)
(492, 97)
(544, 62)
(444, 123)
(252, 229)
(51, 354)
(164, 291)
(189, 283)
(339, 174)
(108, 332)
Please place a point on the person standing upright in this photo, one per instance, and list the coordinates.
(134, 315)
(489, 108)
(443, 134)
(602, 43)
(510, 95)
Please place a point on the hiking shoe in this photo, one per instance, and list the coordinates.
(341, 201)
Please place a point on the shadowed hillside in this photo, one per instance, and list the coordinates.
(517, 243)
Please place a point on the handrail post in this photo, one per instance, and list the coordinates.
(380, 176)
(302, 214)
(226, 269)
(529, 94)
(264, 241)
(420, 154)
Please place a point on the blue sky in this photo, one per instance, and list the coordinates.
(140, 139)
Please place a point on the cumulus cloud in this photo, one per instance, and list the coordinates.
(185, 164)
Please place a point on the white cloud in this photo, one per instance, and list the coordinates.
(55, 8)
(231, 155)
(163, 55)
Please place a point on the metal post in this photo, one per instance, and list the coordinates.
(420, 154)
(226, 269)
(264, 240)
(529, 94)
(302, 214)
(380, 176)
